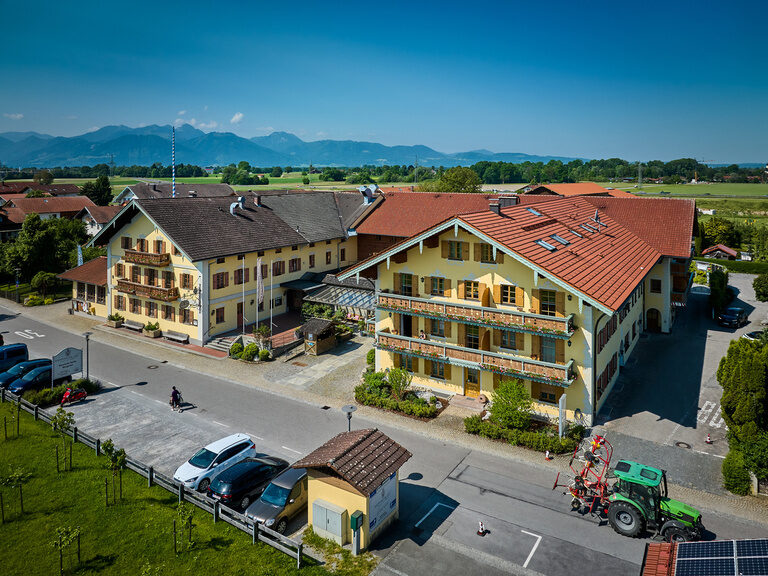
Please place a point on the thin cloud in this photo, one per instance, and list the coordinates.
(71, 117)
(207, 125)
(14, 116)
(236, 118)
(181, 112)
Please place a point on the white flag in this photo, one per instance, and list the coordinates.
(79, 255)
(259, 282)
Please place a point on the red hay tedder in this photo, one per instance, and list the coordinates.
(589, 486)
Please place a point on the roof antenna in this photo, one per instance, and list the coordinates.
(173, 161)
(596, 220)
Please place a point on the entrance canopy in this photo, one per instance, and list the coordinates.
(352, 294)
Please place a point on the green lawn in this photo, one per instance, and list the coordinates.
(695, 190)
(118, 181)
(133, 537)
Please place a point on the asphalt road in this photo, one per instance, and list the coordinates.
(445, 489)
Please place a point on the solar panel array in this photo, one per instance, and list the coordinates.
(723, 558)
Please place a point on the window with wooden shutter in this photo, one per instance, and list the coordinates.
(478, 251)
(447, 371)
(460, 290)
(428, 285)
(447, 287)
(464, 250)
(496, 294)
(535, 305)
(560, 304)
(460, 332)
(519, 341)
(499, 257)
(396, 360)
(535, 346)
(136, 274)
(497, 337)
(485, 295)
(444, 249)
(519, 296)
(396, 282)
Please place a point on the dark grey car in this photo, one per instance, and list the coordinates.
(284, 498)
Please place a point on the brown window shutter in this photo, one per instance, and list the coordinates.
(560, 351)
(445, 249)
(416, 364)
(496, 337)
(499, 257)
(414, 326)
(485, 339)
(162, 250)
(535, 305)
(415, 285)
(226, 279)
(465, 250)
(428, 285)
(460, 289)
(427, 367)
(396, 360)
(447, 372)
(247, 272)
(496, 293)
(462, 330)
(448, 325)
(117, 302)
(485, 295)
(478, 247)
(560, 304)
(536, 346)
(519, 341)
(396, 283)
(519, 296)
(447, 286)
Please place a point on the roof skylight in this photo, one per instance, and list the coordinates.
(587, 227)
(558, 238)
(534, 212)
(575, 233)
(545, 244)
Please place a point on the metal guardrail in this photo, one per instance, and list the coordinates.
(258, 532)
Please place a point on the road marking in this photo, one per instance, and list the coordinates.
(432, 510)
(134, 392)
(393, 570)
(705, 411)
(290, 449)
(718, 456)
(533, 550)
(717, 420)
(159, 401)
(254, 437)
(220, 424)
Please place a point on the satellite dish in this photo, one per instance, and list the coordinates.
(194, 290)
(183, 304)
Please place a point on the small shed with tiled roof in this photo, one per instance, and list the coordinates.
(354, 471)
(720, 251)
(89, 287)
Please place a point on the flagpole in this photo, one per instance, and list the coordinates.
(242, 279)
(271, 288)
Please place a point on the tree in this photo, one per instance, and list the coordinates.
(400, 382)
(332, 175)
(276, 172)
(244, 165)
(760, 284)
(99, 191)
(305, 180)
(36, 194)
(720, 231)
(115, 463)
(719, 296)
(288, 169)
(459, 179)
(42, 281)
(43, 177)
(512, 404)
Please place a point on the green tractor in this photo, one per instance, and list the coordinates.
(633, 496)
(639, 501)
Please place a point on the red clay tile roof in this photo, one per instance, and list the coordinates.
(659, 559)
(11, 214)
(722, 248)
(605, 265)
(92, 272)
(364, 458)
(664, 223)
(14, 187)
(48, 205)
(404, 214)
(56, 189)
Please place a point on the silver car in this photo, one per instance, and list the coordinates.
(283, 498)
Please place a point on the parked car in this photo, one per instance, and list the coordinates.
(243, 482)
(756, 335)
(733, 317)
(20, 369)
(35, 379)
(196, 473)
(12, 354)
(282, 499)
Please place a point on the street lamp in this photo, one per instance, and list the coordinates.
(87, 356)
(348, 409)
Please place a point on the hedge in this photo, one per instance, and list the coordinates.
(735, 474)
(418, 407)
(541, 440)
(236, 350)
(52, 396)
(370, 358)
(739, 266)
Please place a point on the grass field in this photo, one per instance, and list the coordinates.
(118, 181)
(133, 537)
(696, 190)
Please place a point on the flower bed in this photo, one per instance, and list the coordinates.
(541, 440)
(376, 391)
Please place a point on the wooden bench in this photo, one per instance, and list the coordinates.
(176, 336)
(133, 325)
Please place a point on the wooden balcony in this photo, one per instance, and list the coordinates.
(147, 258)
(509, 365)
(144, 291)
(514, 320)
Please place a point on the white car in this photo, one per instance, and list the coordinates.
(197, 472)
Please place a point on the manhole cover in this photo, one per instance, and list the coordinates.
(298, 363)
(153, 367)
(325, 408)
(683, 445)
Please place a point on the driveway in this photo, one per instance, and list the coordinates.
(668, 392)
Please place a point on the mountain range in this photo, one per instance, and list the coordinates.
(150, 144)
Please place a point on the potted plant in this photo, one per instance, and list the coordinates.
(115, 320)
(152, 330)
(261, 333)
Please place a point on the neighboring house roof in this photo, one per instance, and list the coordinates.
(721, 248)
(100, 214)
(14, 187)
(52, 189)
(576, 189)
(665, 223)
(8, 196)
(352, 205)
(92, 272)
(361, 283)
(144, 190)
(9, 214)
(313, 215)
(363, 458)
(50, 204)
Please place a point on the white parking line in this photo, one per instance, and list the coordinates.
(254, 437)
(430, 512)
(134, 392)
(533, 550)
(290, 449)
(220, 424)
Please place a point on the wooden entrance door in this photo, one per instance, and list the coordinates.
(471, 383)
(653, 320)
(239, 315)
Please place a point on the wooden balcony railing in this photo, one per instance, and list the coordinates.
(517, 321)
(144, 291)
(147, 258)
(515, 366)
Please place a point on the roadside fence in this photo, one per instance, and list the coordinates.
(258, 532)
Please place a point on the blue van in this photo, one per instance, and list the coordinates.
(12, 354)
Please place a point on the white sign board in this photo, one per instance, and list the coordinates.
(562, 422)
(383, 502)
(67, 362)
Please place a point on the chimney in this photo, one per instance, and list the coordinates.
(241, 201)
(192, 194)
(505, 201)
(494, 207)
(258, 200)
(233, 207)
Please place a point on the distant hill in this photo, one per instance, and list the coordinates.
(149, 144)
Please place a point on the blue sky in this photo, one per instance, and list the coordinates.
(599, 79)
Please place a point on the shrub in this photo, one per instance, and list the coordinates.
(115, 317)
(512, 405)
(536, 440)
(152, 326)
(263, 354)
(33, 300)
(250, 352)
(46, 396)
(760, 284)
(375, 396)
(740, 266)
(735, 475)
(236, 350)
(48, 301)
(90, 386)
(399, 382)
(371, 357)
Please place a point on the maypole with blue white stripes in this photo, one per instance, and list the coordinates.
(173, 160)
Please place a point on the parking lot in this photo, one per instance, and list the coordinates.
(668, 391)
